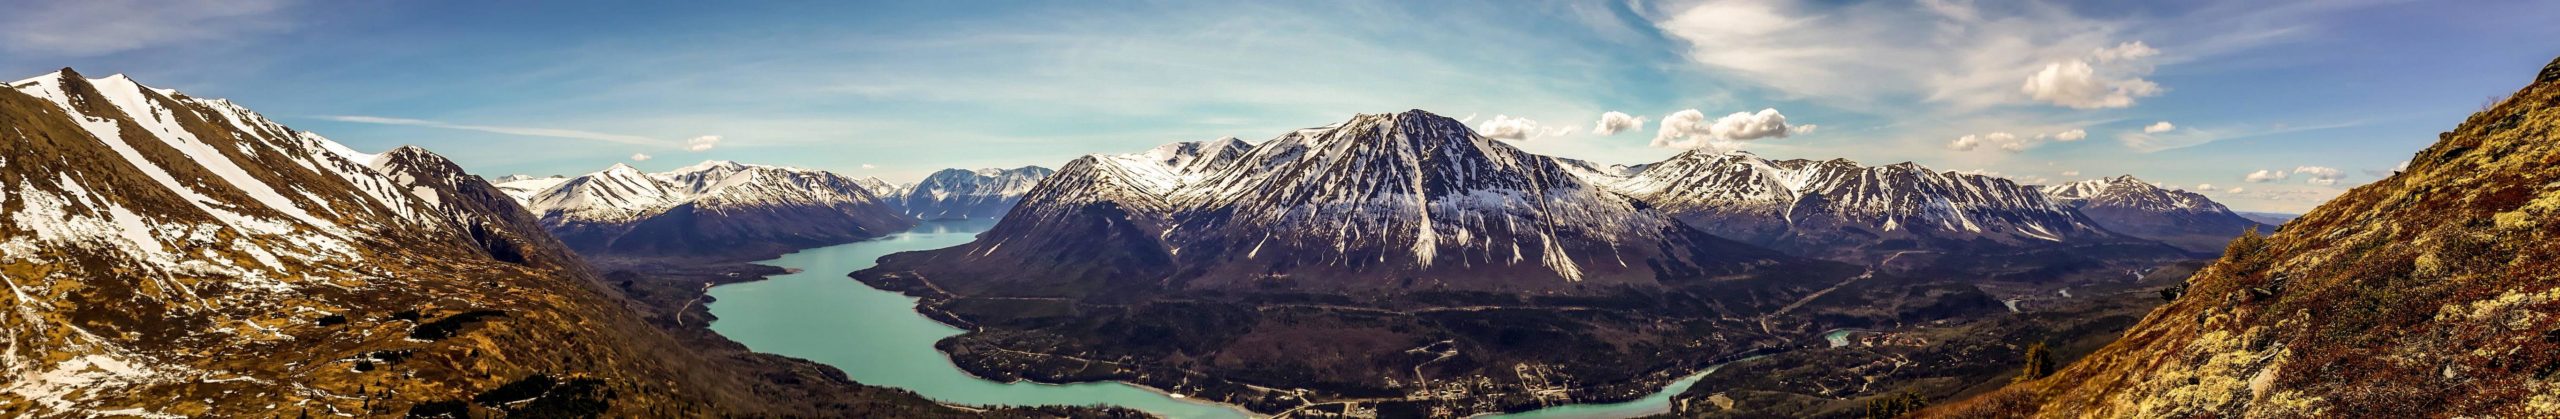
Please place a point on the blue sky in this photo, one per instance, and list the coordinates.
(2344, 89)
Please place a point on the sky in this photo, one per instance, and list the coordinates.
(2259, 105)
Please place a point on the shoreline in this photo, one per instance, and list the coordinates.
(915, 307)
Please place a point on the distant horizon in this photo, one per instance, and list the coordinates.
(2290, 104)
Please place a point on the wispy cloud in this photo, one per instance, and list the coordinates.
(98, 27)
(525, 131)
(2163, 136)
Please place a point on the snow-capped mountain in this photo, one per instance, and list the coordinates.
(168, 255)
(956, 194)
(1384, 201)
(2144, 209)
(718, 209)
(1842, 210)
(523, 187)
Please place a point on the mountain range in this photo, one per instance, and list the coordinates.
(727, 210)
(1839, 209)
(1382, 200)
(1385, 201)
(956, 194)
(716, 209)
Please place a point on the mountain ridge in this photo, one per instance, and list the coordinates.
(1398, 194)
(715, 209)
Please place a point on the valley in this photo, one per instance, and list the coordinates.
(1334, 209)
(1315, 331)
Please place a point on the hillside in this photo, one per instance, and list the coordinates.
(2424, 294)
(168, 255)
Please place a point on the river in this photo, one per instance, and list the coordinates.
(876, 337)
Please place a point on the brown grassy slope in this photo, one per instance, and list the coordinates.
(2430, 293)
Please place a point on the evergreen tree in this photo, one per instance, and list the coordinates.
(2039, 363)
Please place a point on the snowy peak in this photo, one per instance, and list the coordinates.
(967, 194)
(1196, 156)
(2132, 206)
(2129, 192)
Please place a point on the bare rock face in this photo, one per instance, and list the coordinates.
(2426, 293)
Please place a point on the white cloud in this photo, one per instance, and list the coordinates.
(1965, 143)
(1469, 119)
(2074, 83)
(100, 27)
(1505, 127)
(2012, 142)
(2159, 127)
(2204, 187)
(2071, 173)
(640, 157)
(2124, 52)
(2236, 190)
(1691, 129)
(2265, 176)
(2317, 175)
(2072, 135)
(1946, 52)
(702, 143)
(1802, 129)
(1615, 122)
(868, 166)
(525, 131)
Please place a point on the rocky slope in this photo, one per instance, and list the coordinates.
(1387, 201)
(2424, 294)
(955, 194)
(716, 209)
(2131, 206)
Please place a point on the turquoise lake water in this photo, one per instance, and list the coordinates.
(877, 337)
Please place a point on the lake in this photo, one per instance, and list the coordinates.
(876, 336)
